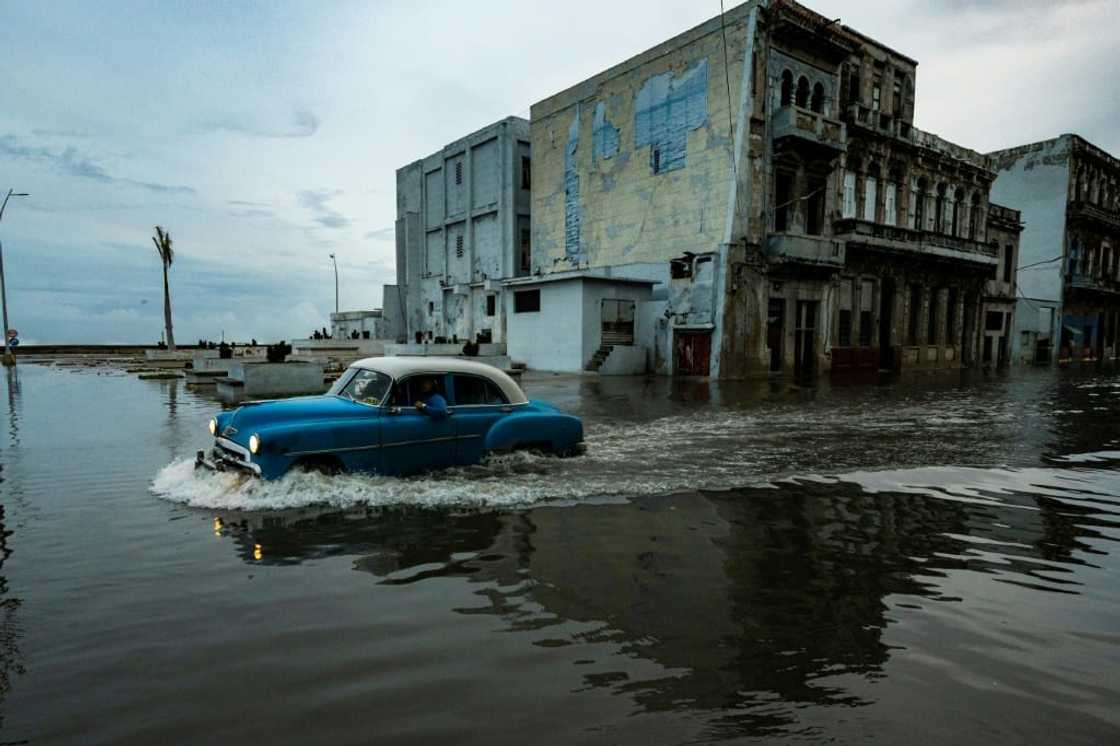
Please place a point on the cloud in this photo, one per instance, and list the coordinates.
(304, 123)
(60, 133)
(316, 201)
(71, 162)
(382, 234)
(245, 209)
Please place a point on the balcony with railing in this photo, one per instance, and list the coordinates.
(886, 124)
(1094, 283)
(802, 127)
(880, 122)
(1082, 211)
(906, 241)
(817, 251)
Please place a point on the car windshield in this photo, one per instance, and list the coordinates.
(367, 387)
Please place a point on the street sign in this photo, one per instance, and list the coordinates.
(12, 334)
(13, 341)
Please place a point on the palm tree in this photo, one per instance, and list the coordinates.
(162, 240)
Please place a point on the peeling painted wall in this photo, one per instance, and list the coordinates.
(487, 254)
(484, 174)
(603, 205)
(604, 135)
(572, 210)
(666, 109)
(469, 199)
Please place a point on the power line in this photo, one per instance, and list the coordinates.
(1039, 264)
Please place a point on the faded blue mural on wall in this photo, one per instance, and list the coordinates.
(666, 109)
(604, 135)
(571, 192)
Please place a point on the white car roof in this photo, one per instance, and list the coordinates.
(400, 367)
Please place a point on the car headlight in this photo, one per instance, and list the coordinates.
(254, 443)
(214, 426)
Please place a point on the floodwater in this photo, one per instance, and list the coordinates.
(928, 561)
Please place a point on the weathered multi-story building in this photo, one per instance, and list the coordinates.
(462, 228)
(1069, 265)
(763, 173)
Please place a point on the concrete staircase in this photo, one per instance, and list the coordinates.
(598, 358)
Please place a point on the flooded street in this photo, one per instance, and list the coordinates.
(931, 560)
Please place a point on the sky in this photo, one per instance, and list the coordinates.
(266, 135)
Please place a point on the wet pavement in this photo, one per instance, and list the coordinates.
(924, 561)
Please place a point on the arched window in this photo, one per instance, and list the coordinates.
(958, 206)
(890, 197)
(817, 103)
(939, 210)
(918, 199)
(803, 92)
(974, 216)
(787, 88)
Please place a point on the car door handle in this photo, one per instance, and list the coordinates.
(506, 408)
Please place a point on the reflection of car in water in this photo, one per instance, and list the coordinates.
(392, 416)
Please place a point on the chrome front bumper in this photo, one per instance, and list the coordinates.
(225, 455)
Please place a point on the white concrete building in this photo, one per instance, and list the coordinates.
(462, 228)
(606, 311)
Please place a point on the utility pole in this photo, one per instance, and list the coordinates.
(9, 358)
(335, 262)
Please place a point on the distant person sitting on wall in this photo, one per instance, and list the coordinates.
(430, 402)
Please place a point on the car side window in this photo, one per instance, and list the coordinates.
(477, 391)
(407, 392)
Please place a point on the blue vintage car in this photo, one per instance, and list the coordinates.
(392, 415)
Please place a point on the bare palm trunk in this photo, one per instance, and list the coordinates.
(167, 310)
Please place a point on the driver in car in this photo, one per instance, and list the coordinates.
(430, 402)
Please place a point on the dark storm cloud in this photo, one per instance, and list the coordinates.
(71, 162)
(315, 200)
(304, 123)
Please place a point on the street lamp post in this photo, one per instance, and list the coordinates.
(9, 358)
(335, 263)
